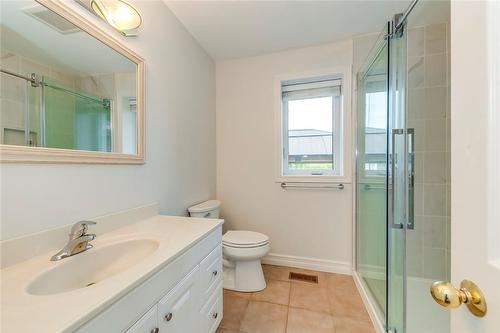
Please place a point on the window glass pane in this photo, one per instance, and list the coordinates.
(310, 134)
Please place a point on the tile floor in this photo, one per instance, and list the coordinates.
(333, 305)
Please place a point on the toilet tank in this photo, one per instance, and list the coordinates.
(207, 209)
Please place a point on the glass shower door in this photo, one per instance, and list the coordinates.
(428, 125)
(371, 175)
(403, 171)
(381, 178)
(397, 188)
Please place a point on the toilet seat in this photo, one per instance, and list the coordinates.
(244, 239)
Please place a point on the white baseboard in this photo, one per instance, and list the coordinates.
(369, 304)
(320, 265)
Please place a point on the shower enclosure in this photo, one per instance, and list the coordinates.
(55, 115)
(402, 176)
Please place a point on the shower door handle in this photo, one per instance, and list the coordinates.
(410, 224)
(394, 220)
(398, 220)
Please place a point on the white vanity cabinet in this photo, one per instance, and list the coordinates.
(147, 324)
(177, 307)
(185, 296)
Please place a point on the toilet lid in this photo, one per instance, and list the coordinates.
(240, 238)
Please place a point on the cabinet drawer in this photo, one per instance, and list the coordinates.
(211, 313)
(210, 273)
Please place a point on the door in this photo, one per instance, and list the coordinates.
(371, 175)
(177, 310)
(428, 165)
(211, 313)
(475, 168)
(381, 177)
(397, 213)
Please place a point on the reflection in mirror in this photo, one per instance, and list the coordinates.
(61, 87)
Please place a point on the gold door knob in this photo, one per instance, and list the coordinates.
(445, 294)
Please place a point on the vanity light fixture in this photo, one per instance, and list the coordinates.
(119, 14)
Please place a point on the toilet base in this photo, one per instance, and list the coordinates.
(244, 276)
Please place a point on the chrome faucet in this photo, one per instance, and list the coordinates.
(78, 241)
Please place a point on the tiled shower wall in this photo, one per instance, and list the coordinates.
(428, 245)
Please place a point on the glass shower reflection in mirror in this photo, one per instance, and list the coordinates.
(61, 87)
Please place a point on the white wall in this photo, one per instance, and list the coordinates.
(307, 223)
(180, 142)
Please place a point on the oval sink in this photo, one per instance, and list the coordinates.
(92, 266)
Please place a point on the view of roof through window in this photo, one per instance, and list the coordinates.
(310, 134)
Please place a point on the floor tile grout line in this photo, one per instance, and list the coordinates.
(286, 320)
(244, 313)
(269, 302)
(288, 306)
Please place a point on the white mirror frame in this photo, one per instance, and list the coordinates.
(24, 154)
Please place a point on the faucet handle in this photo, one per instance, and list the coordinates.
(80, 228)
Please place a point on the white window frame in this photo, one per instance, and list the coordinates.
(342, 149)
(337, 135)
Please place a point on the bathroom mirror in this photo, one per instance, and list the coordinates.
(70, 93)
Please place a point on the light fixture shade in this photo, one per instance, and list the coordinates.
(118, 13)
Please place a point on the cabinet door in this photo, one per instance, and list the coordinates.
(211, 313)
(176, 309)
(147, 324)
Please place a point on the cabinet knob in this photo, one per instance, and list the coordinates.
(168, 316)
(155, 330)
(215, 273)
(215, 315)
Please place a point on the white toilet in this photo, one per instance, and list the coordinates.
(242, 251)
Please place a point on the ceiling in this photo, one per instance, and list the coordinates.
(235, 29)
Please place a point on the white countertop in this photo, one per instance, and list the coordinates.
(64, 312)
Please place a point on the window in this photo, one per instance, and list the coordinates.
(311, 123)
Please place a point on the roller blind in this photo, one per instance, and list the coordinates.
(298, 90)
